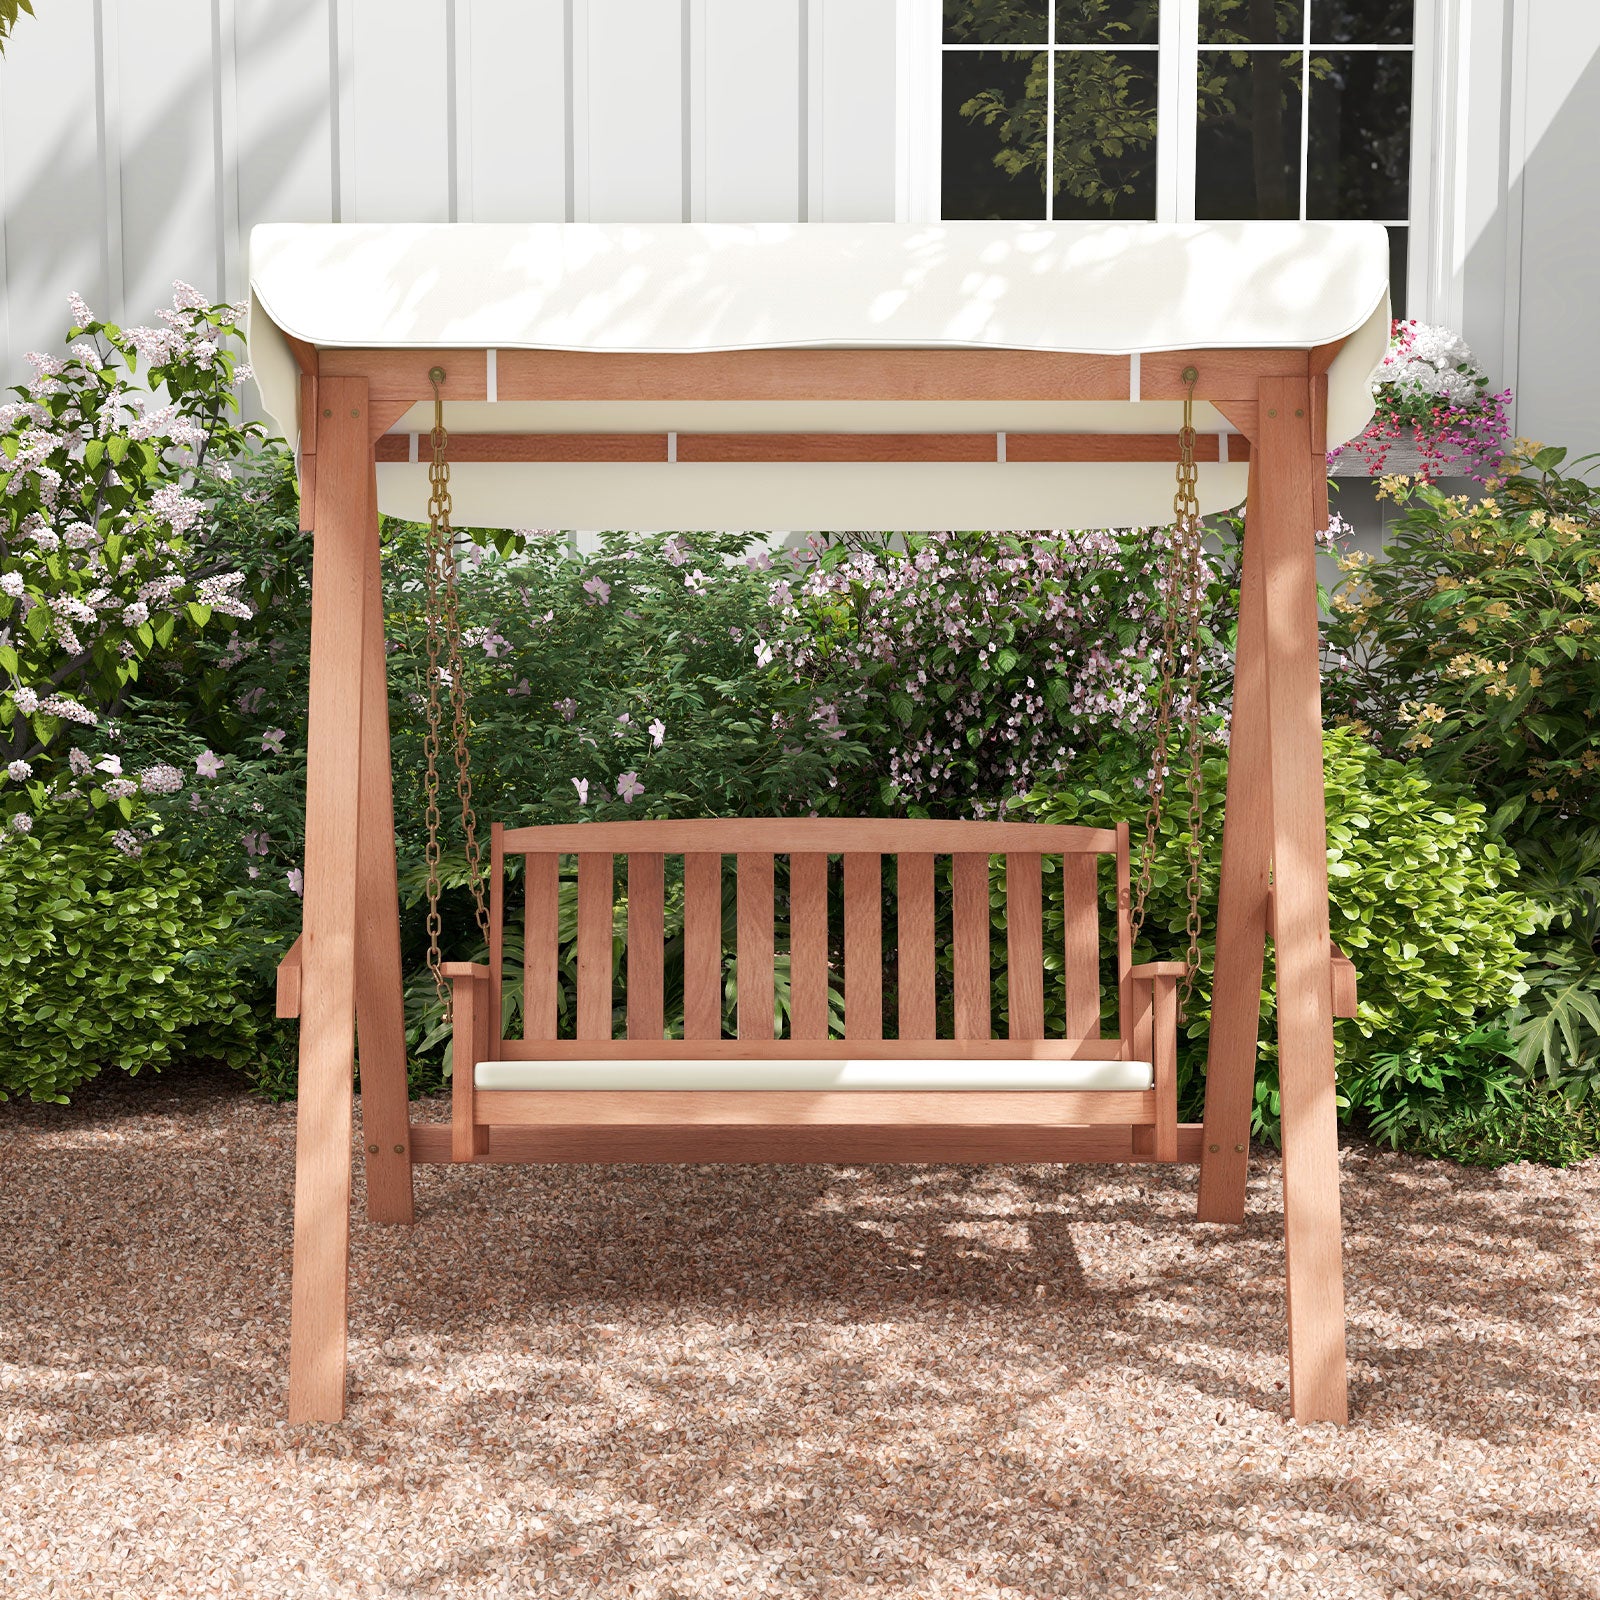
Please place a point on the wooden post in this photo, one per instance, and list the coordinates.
(1242, 900)
(327, 1013)
(380, 1001)
(1289, 499)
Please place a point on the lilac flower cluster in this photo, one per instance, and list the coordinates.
(1001, 658)
(102, 517)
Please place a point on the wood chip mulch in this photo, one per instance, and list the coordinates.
(639, 1382)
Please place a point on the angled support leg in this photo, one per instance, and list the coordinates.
(380, 1003)
(328, 956)
(1290, 500)
(1242, 901)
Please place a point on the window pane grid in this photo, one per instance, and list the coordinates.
(1308, 118)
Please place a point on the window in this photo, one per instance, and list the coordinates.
(1142, 110)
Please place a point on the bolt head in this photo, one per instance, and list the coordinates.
(1240, 1149)
(1214, 1148)
(328, 412)
(372, 1149)
(399, 1149)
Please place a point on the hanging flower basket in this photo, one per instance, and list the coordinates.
(1435, 416)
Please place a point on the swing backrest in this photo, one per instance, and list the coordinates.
(618, 921)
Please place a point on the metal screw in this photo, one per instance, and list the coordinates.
(1272, 413)
(399, 1149)
(328, 412)
(1214, 1148)
(354, 412)
(1239, 1148)
(372, 1149)
(1299, 412)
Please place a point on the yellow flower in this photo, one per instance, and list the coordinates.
(1593, 592)
(1394, 486)
(1579, 626)
(1535, 677)
(1469, 625)
(1499, 610)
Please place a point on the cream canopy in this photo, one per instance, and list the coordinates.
(1123, 290)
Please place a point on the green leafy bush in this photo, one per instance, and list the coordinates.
(112, 959)
(1473, 649)
(1419, 902)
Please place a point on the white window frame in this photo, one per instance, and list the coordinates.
(1438, 43)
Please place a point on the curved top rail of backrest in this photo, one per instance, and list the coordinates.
(809, 835)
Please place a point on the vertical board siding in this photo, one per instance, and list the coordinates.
(50, 168)
(165, 152)
(854, 127)
(141, 140)
(401, 110)
(283, 117)
(511, 111)
(631, 129)
(752, 110)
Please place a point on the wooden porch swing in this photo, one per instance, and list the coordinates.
(826, 377)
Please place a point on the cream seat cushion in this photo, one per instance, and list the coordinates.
(802, 1075)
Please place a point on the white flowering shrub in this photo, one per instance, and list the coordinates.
(106, 476)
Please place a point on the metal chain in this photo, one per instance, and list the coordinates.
(1182, 596)
(443, 615)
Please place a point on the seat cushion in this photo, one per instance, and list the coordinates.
(818, 1074)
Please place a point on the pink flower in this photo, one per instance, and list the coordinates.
(598, 590)
(111, 765)
(297, 881)
(272, 740)
(658, 732)
(582, 786)
(208, 764)
(629, 788)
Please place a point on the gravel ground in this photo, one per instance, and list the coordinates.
(658, 1382)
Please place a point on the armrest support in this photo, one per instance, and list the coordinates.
(469, 1043)
(1342, 971)
(1159, 969)
(289, 982)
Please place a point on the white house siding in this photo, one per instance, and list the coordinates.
(141, 139)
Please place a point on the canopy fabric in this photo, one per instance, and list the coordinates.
(1086, 288)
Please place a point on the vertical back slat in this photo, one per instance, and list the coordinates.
(595, 895)
(808, 947)
(541, 874)
(497, 922)
(1025, 944)
(755, 946)
(914, 901)
(702, 946)
(646, 893)
(1080, 899)
(1125, 996)
(863, 946)
(970, 916)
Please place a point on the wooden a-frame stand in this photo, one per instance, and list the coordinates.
(346, 967)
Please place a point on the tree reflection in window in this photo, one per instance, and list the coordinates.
(997, 106)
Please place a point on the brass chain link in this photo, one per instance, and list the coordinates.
(1182, 596)
(443, 615)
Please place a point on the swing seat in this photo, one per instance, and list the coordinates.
(814, 1075)
(782, 1087)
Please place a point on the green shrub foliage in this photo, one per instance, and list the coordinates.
(112, 958)
(1420, 902)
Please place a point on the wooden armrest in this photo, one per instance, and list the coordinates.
(289, 982)
(1159, 969)
(464, 969)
